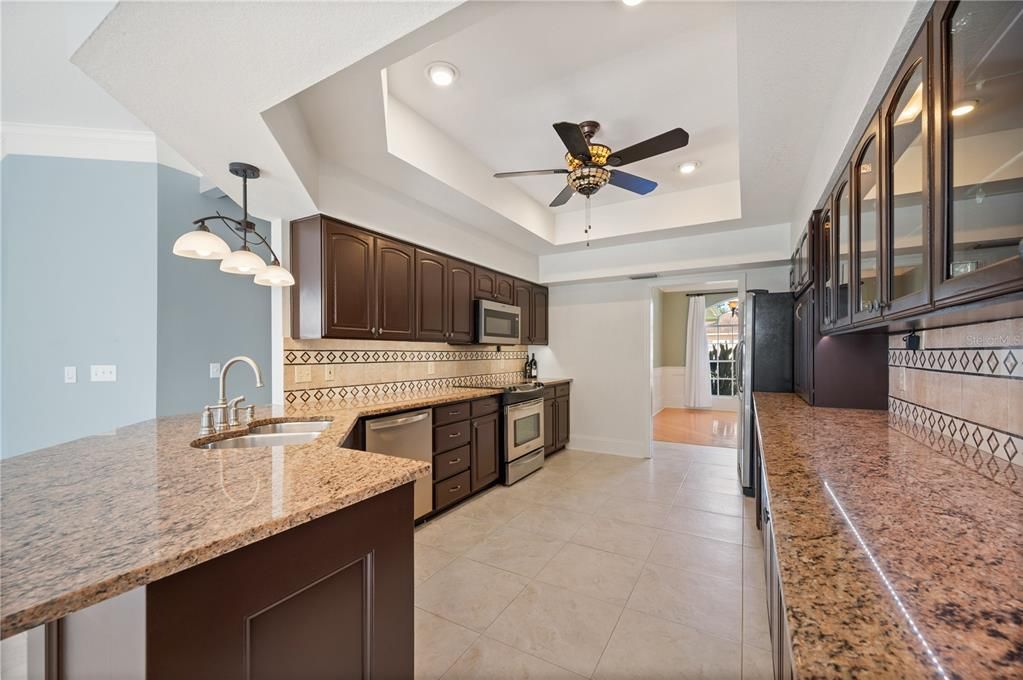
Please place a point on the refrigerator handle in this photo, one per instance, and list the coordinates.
(740, 365)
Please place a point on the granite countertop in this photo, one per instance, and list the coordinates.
(87, 520)
(895, 561)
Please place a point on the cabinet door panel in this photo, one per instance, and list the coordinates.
(486, 443)
(550, 424)
(539, 312)
(484, 284)
(349, 282)
(431, 291)
(461, 309)
(868, 260)
(396, 288)
(842, 245)
(524, 301)
(504, 289)
(561, 435)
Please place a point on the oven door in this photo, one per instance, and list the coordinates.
(523, 427)
(497, 324)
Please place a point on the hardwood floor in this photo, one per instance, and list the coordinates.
(696, 426)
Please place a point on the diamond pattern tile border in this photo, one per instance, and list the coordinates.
(996, 454)
(1001, 362)
(358, 394)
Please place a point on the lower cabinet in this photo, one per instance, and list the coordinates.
(344, 610)
(556, 417)
(485, 451)
(466, 449)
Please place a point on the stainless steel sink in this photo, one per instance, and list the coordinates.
(298, 426)
(249, 441)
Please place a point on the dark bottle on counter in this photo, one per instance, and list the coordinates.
(526, 368)
(533, 372)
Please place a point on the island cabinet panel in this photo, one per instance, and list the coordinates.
(349, 282)
(330, 598)
(431, 296)
(486, 451)
(396, 290)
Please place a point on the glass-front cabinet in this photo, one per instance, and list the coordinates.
(841, 228)
(907, 186)
(867, 263)
(827, 266)
(978, 149)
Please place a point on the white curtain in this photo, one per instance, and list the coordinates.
(697, 387)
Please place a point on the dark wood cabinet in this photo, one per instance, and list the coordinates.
(344, 610)
(353, 283)
(562, 418)
(485, 451)
(868, 299)
(549, 425)
(556, 417)
(395, 290)
(803, 345)
(539, 315)
(523, 299)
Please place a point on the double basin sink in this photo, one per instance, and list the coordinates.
(272, 434)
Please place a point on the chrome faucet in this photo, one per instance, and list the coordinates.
(214, 418)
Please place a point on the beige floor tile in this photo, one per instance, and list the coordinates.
(650, 648)
(616, 536)
(715, 484)
(709, 471)
(749, 507)
(570, 498)
(455, 533)
(654, 492)
(469, 593)
(495, 660)
(753, 568)
(710, 604)
(755, 630)
(653, 472)
(430, 560)
(695, 553)
(756, 664)
(708, 501)
(751, 536)
(493, 506)
(706, 524)
(522, 552)
(439, 643)
(544, 519)
(557, 625)
(593, 572)
(634, 511)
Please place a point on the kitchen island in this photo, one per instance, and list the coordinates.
(99, 517)
(891, 559)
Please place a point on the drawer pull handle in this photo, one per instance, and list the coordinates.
(454, 434)
(454, 413)
(454, 461)
(455, 488)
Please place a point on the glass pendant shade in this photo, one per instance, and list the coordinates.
(201, 244)
(243, 261)
(275, 275)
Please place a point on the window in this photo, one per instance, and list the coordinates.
(722, 336)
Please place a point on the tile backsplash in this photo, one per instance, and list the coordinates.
(320, 372)
(961, 393)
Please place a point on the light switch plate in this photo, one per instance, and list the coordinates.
(328, 372)
(214, 370)
(103, 373)
(303, 374)
(70, 374)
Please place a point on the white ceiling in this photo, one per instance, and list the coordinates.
(639, 71)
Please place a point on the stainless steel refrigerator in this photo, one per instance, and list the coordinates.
(764, 358)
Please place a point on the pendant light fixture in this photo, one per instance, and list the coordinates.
(202, 244)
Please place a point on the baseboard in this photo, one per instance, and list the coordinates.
(633, 448)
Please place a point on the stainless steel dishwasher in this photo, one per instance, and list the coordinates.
(406, 435)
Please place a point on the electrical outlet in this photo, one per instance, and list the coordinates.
(328, 372)
(70, 374)
(431, 368)
(103, 373)
(214, 370)
(303, 374)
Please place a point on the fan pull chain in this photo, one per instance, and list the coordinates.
(587, 230)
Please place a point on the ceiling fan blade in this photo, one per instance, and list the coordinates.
(527, 173)
(669, 141)
(562, 198)
(574, 139)
(624, 180)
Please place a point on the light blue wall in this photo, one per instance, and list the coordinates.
(205, 315)
(79, 288)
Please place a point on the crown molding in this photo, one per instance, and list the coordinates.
(29, 139)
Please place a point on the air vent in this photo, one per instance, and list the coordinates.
(637, 277)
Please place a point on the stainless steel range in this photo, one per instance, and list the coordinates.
(523, 428)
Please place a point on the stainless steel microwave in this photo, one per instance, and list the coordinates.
(497, 324)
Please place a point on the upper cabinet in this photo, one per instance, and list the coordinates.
(977, 48)
(827, 266)
(867, 293)
(801, 272)
(355, 284)
(841, 244)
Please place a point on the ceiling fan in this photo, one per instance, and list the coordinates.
(588, 162)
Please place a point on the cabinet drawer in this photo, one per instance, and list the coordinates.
(447, 437)
(562, 390)
(451, 463)
(549, 392)
(484, 407)
(450, 413)
(450, 490)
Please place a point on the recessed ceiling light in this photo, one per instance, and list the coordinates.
(441, 73)
(964, 107)
(688, 167)
(631, 3)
